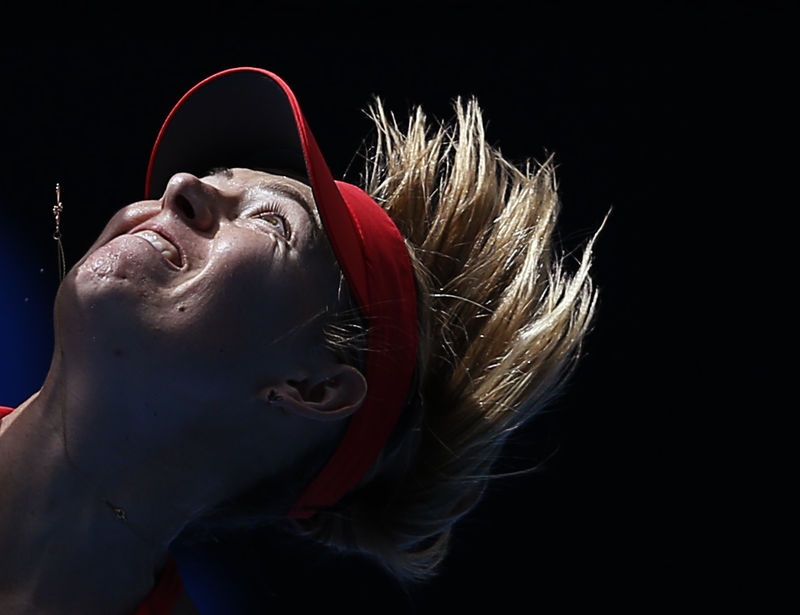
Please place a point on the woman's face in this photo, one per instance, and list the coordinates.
(221, 283)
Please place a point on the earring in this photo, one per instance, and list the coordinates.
(57, 209)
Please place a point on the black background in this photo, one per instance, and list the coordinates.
(649, 487)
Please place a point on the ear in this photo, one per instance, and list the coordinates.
(330, 395)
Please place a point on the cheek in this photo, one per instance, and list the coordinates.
(243, 309)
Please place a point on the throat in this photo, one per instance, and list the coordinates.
(62, 547)
(74, 562)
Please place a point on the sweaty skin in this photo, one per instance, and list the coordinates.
(174, 334)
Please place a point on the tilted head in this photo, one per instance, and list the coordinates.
(471, 321)
(248, 117)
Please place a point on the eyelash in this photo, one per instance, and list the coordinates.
(272, 210)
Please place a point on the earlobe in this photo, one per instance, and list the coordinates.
(330, 396)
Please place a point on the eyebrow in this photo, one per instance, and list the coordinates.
(289, 192)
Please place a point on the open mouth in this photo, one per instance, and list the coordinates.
(167, 249)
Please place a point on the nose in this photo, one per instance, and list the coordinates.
(198, 204)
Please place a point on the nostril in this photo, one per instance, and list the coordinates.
(185, 206)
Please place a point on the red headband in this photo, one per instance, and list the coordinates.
(249, 117)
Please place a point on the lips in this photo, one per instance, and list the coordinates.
(167, 249)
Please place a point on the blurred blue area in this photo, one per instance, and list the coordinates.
(26, 331)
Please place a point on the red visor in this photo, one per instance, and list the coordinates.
(248, 117)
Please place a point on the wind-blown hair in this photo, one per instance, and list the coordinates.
(502, 322)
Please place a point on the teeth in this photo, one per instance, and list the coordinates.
(160, 243)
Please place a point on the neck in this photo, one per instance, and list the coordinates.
(77, 535)
(98, 475)
(61, 545)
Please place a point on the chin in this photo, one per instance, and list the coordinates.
(98, 306)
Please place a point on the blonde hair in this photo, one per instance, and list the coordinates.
(501, 321)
